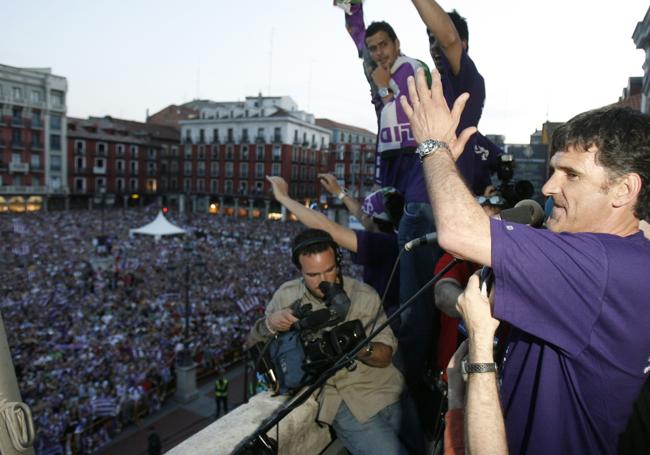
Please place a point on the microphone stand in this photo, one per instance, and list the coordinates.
(247, 445)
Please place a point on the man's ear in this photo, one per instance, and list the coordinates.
(627, 189)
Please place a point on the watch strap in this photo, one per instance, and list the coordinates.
(469, 368)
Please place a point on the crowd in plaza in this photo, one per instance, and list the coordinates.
(94, 338)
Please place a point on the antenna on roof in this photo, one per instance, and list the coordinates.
(270, 60)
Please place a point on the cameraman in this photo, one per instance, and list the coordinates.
(362, 404)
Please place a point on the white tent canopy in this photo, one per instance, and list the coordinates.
(157, 228)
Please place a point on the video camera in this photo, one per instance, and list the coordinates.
(512, 192)
(323, 347)
(295, 358)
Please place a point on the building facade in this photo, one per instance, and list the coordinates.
(118, 157)
(33, 139)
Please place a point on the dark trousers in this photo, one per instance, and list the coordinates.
(222, 405)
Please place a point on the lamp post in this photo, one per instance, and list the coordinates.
(185, 367)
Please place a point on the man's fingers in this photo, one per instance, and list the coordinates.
(413, 91)
(465, 135)
(436, 88)
(458, 107)
(421, 85)
(406, 106)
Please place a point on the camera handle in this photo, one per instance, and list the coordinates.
(344, 361)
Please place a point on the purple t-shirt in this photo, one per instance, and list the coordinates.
(578, 351)
(377, 253)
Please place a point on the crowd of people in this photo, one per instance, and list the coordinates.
(94, 336)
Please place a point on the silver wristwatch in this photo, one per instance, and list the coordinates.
(383, 91)
(429, 147)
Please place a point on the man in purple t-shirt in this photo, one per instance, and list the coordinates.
(575, 295)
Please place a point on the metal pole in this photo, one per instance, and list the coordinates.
(10, 392)
(187, 306)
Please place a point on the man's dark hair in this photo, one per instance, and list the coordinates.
(461, 25)
(312, 241)
(622, 138)
(382, 26)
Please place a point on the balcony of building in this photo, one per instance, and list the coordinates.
(297, 433)
(100, 170)
(22, 189)
(17, 121)
(17, 144)
(18, 167)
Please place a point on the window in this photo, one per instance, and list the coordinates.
(55, 163)
(215, 152)
(100, 163)
(16, 116)
(152, 185)
(243, 187)
(200, 185)
(36, 140)
(36, 181)
(229, 169)
(55, 142)
(175, 151)
(57, 97)
(275, 169)
(243, 170)
(16, 138)
(259, 155)
(79, 147)
(215, 135)
(101, 149)
(214, 186)
(277, 153)
(227, 186)
(151, 169)
(35, 161)
(151, 153)
(244, 135)
(36, 96)
(229, 152)
(119, 184)
(260, 134)
(339, 171)
(119, 166)
(200, 169)
(80, 163)
(55, 122)
(133, 184)
(134, 151)
(244, 153)
(133, 165)
(201, 152)
(17, 93)
(230, 135)
(277, 134)
(188, 152)
(295, 136)
(120, 150)
(201, 136)
(174, 184)
(214, 169)
(259, 170)
(37, 120)
(259, 187)
(80, 184)
(187, 168)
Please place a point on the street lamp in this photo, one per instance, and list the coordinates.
(191, 262)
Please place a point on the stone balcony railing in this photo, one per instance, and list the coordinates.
(297, 433)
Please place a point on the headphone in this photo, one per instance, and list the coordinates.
(320, 237)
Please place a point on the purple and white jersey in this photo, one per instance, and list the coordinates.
(579, 349)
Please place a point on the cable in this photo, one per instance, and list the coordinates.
(17, 417)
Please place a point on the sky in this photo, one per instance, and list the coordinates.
(541, 61)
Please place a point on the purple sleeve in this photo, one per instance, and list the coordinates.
(374, 247)
(549, 285)
(356, 27)
(469, 80)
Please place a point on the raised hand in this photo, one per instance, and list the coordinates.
(279, 186)
(429, 115)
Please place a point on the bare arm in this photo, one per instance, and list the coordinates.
(330, 183)
(484, 426)
(345, 237)
(438, 22)
(463, 227)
